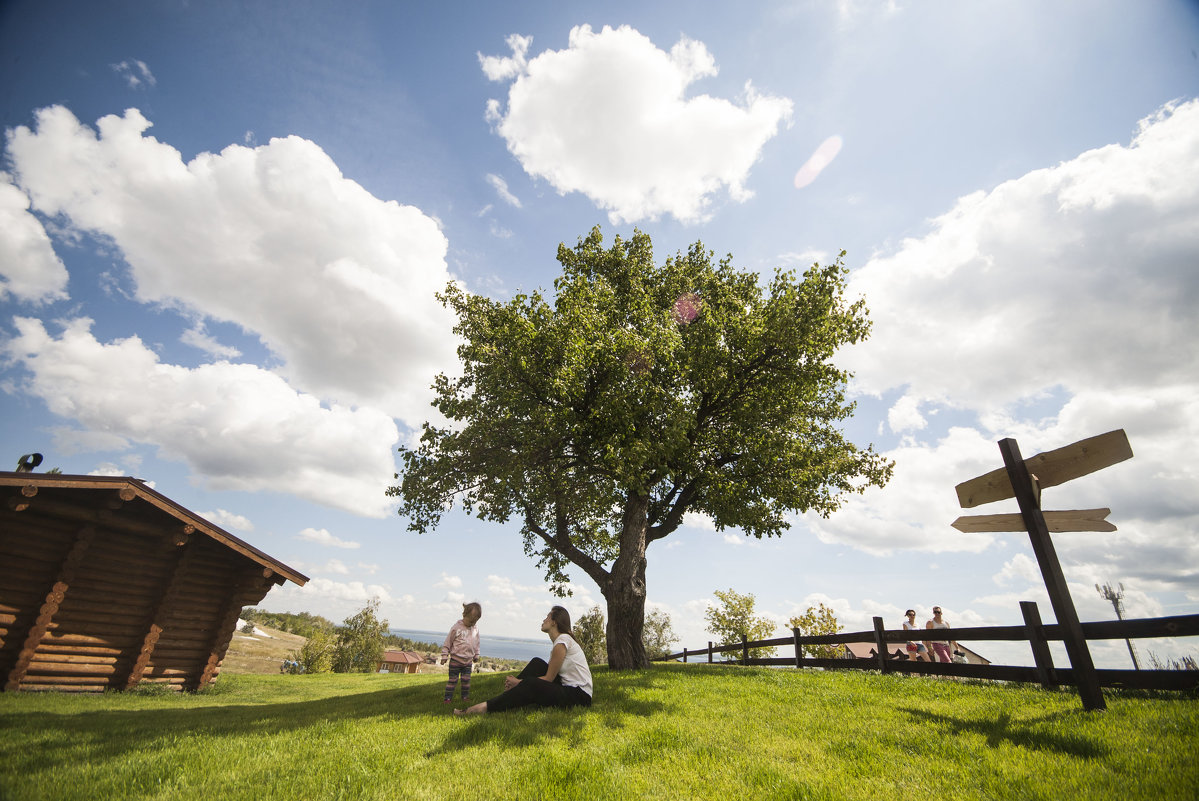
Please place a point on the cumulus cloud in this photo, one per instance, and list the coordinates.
(30, 270)
(337, 283)
(609, 117)
(228, 520)
(323, 589)
(322, 537)
(1060, 305)
(236, 425)
(448, 581)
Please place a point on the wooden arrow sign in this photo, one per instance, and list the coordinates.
(1051, 469)
(1072, 520)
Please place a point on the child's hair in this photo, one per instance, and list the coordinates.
(473, 606)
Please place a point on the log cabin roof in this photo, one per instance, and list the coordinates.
(93, 499)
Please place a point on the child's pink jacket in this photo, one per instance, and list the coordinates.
(461, 644)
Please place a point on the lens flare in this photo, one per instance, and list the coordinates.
(687, 307)
(823, 157)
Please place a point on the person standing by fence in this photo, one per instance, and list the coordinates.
(916, 651)
(940, 647)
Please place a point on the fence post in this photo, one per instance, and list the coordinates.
(744, 649)
(798, 650)
(1040, 646)
(709, 652)
(880, 645)
(684, 655)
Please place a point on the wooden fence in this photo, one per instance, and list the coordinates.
(1035, 633)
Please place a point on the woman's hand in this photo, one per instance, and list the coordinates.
(510, 682)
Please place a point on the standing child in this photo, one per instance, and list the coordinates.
(461, 647)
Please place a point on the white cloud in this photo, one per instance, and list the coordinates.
(916, 508)
(198, 337)
(1060, 305)
(228, 520)
(337, 283)
(135, 72)
(1080, 275)
(237, 426)
(322, 537)
(503, 68)
(1019, 568)
(905, 415)
(29, 268)
(449, 581)
(609, 117)
(501, 189)
(322, 589)
(336, 566)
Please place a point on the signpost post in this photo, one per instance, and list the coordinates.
(1024, 480)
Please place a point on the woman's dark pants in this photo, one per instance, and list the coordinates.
(534, 691)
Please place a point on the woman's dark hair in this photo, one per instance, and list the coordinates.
(561, 619)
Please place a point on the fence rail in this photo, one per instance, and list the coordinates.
(1035, 633)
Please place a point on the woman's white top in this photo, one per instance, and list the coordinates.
(574, 670)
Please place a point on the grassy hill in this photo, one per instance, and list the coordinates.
(263, 651)
(674, 731)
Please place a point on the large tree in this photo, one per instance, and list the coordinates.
(635, 393)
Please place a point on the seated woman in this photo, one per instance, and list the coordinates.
(564, 681)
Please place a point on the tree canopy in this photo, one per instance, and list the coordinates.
(600, 415)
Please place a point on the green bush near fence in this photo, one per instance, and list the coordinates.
(673, 731)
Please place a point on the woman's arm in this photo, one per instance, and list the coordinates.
(557, 657)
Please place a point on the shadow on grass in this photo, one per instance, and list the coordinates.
(50, 739)
(47, 739)
(1024, 733)
(615, 702)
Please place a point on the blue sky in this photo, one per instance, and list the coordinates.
(223, 224)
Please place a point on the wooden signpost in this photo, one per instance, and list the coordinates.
(1024, 479)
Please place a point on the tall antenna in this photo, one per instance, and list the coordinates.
(1117, 599)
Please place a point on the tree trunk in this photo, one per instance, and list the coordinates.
(625, 591)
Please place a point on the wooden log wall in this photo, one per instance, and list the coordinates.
(93, 599)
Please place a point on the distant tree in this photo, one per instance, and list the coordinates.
(316, 654)
(733, 618)
(360, 641)
(658, 635)
(589, 631)
(816, 621)
(636, 393)
(247, 627)
(302, 623)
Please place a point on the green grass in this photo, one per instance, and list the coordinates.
(674, 731)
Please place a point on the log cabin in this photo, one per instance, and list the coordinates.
(106, 584)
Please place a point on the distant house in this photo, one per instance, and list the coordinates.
(105, 584)
(865, 650)
(400, 661)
